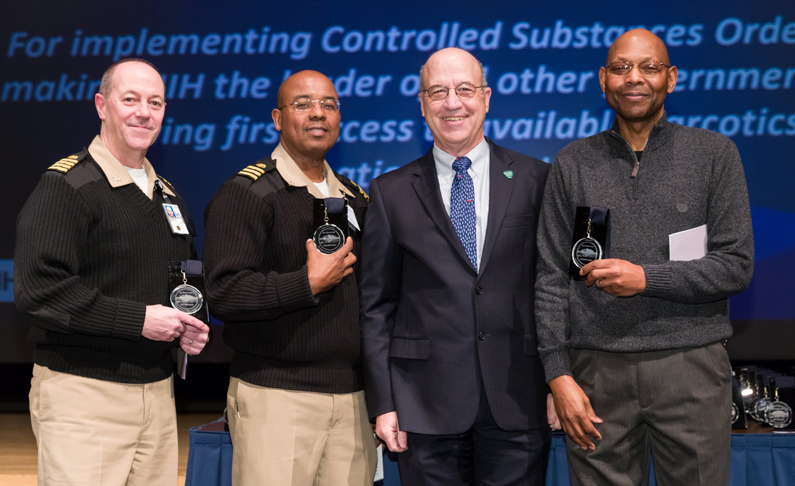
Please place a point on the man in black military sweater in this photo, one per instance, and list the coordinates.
(92, 253)
(295, 402)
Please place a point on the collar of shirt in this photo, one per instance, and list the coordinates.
(478, 155)
(115, 172)
(294, 176)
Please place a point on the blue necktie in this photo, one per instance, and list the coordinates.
(462, 208)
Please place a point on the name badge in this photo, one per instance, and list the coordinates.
(174, 217)
(352, 219)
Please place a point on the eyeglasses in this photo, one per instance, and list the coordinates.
(646, 68)
(306, 105)
(464, 91)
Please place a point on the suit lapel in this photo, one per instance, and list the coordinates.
(499, 197)
(426, 185)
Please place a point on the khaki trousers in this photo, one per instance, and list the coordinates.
(674, 404)
(285, 437)
(94, 432)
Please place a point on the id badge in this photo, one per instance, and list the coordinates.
(174, 217)
(352, 219)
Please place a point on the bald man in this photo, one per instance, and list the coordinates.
(633, 345)
(91, 262)
(452, 372)
(295, 403)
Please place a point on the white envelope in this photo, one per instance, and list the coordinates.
(688, 245)
(379, 469)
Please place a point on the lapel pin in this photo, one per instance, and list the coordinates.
(508, 174)
(116, 178)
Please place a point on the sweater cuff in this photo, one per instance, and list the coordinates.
(556, 364)
(129, 322)
(294, 292)
(658, 281)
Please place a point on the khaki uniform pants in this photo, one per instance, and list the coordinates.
(285, 437)
(94, 432)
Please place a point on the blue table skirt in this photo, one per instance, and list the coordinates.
(757, 460)
(763, 459)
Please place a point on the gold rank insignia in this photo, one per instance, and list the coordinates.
(253, 171)
(164, 180)
(361, 191)
(64, 165)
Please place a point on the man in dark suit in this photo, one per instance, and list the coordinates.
(452, 374)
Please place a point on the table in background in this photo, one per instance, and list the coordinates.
(756, 459)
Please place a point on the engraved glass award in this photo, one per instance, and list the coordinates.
(586, 250)
(186, 298)
(328, 237)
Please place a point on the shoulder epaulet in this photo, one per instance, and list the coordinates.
(352, 185)
(66, 164)
(257, 169)
(168, 183)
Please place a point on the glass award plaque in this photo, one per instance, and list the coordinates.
(590, 238)
(186, 298)
(779, 415)
(328, 238)
(585, 250)
(760, 409)
(748, 400)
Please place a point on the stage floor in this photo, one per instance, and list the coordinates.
(18, 447)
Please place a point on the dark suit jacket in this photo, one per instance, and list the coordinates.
(434, 331)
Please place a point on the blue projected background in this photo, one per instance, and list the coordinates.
(222, 65)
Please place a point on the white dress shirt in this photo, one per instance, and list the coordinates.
(479, 172)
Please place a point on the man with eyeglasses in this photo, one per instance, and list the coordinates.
(452, 372)
(295, 403)
(632, 348)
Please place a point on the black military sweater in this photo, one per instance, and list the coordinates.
(255, 260)
(89, 258)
